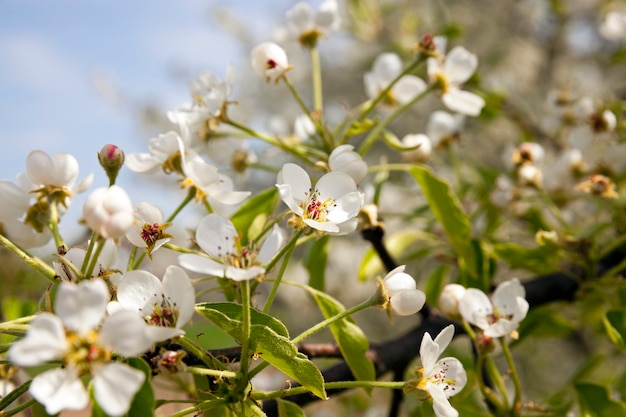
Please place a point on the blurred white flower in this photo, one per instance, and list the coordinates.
(84, 339)
(423, 147)
(303, 127)
(449, 300)
(229, 258)
(331, 207)
(457, 67)
(209, 183)
(166, 152)
(109, 212)
(210, 93)
(269, 61)
(387, 67)
(404, 297)
(344, 159)
(308, 25)
(528, 153)
(613, 27)
(501, 317)
(443, 127)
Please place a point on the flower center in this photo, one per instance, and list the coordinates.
(84, 351)
(150, 233)
(243, 256)
(315, 208)
(164, 314)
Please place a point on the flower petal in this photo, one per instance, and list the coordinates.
(271, 245)
(59, 389)
(297, 178)
(44, 341)
(201, 264)
(216, 235)
(463, 102)
(506, 294)
(444, 337)
(125, 332)
(429, 353)
(441, 405)
(81, 307)
(138, 291)
(407, 302)
(177, 287)
(459, 65)
(475, 307)
(407, 88)
(115, 385)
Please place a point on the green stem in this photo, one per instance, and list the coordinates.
(53, 226)
(375, 133)
(298, 99)
(492, 371)
(517, 401)
(487, 392)
(39, 265)
(260, 395)
(205, 405)
(285, 250)
(211, 372)
(316, 69)
(94, 259)
(19, 408)
(196, 350)
(245, 328)
(321, 325)
(190, 195)
(372, 104)
(92, 244)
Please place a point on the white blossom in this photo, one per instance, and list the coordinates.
(500, 317)
(404, 297)
(344, 159)
(148, 228)
(83, 338)
(613, 27)
(230, 258)
(331, 207)
(269, 61)
(109, 211)
(307, 25)
(422, 147)
(388, 67)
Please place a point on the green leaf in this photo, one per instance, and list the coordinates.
(397, 244)
(143, 402)
(540, 260)
(594, 401)
(227, 316)
(315, 263)
(252, 216)
(351, 340)
(615, 325)
(289, 409)
(447, 210)
(545, 322)
(357, 128)
(284, 356)
(269, 339)
(435, 283)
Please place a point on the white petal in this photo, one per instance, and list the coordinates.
(240, 274)
(327, 17)
(346, 227)
(441, 405)
(463, 102)
(300, 17)
(115, 385)
(344, 159)
(177, 287)
(81, 307)
(65, 170)
(454, 375)
(15, 201)
(442, 124)
(145, 163)
(201, 264)
(269, 60)
(284, 190)
(44, 341)
(216, 235)
(335, 185)
(407, 88)
(59, 389)
(506, 294)
(444, 337)
(501, 328)
(475, 307)
(150, 213)
(346, 207)
(323, 226)
(399, 281)
(386, 67)
(459, 65)
(296, 178)
(429, 353)
(138, 290)
(271, 245)
(125, 332)
(407, 302)
(521, 310)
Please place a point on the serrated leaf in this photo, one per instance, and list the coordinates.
(594, 401)
(227, 316)
(615, 325)
(447, 210)
(315, 263)
(269, 339)
(251, 217)
(281, 353)
(289, 409)
(349, 337)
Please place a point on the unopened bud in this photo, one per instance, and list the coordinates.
(111, 159)
(449, 300)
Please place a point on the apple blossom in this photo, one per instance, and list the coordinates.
(109, 212)
(166, 151)
(166, 306)
(500, 317)
(404, 298)
(422, 147)
(443, 127)
(387, 67)
(270, 61)
(331, 207)
(307, 25)
(209, 183)
(210, 93)
(439, 378)
(84, 339)
(449, 300)
(456, 68)
(344, 159)
(231, 259)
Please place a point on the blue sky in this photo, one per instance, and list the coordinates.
(52, 53)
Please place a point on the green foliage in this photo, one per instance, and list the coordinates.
(315, 263)
(615, 326)
(252, 216)
(545, 321)
(594, 401)
(352, 342)
(540, 260)
(269, 339)
(289, 409)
